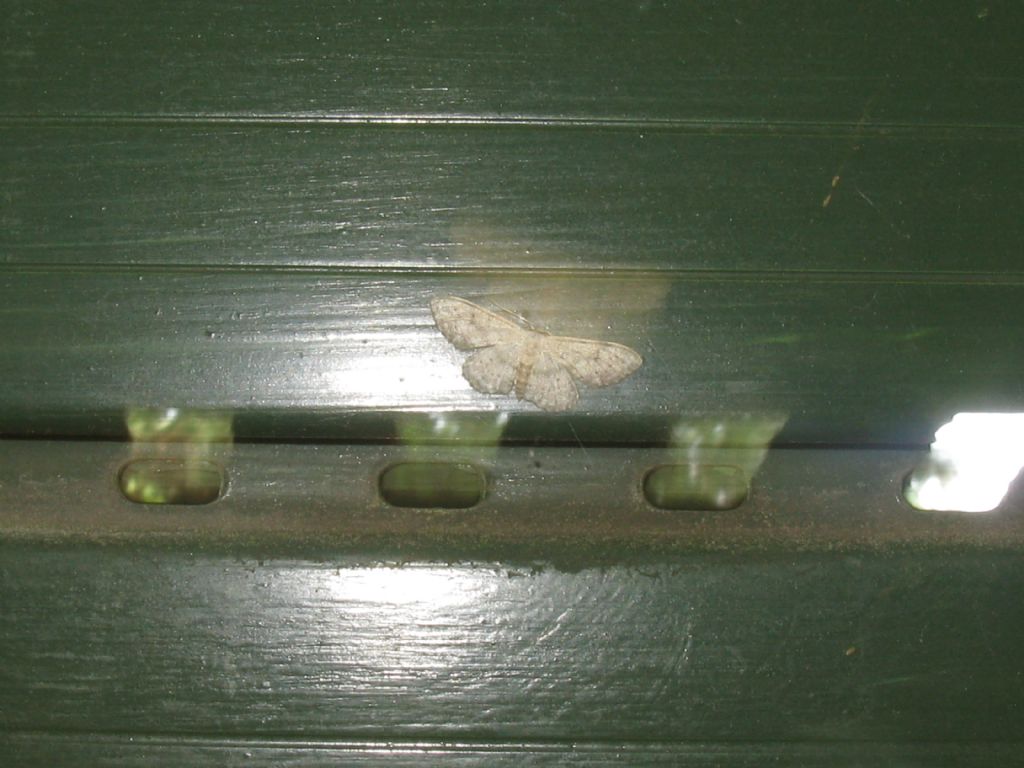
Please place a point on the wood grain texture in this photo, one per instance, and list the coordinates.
(937, 62)
(335, 355)
(796, 214)
(818, 213)
(100, 750)
(798, 648)
(521, 198)
(571, 504)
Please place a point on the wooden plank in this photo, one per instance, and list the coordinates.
(795, 217)
(797, 200)
(578, 506)
(855, 649)
(335, 355)
(153, 752)
(937, 62)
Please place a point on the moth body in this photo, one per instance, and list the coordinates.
(524, 368)
(508, 358)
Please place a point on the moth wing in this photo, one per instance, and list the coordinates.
(550, 385)
(595, 363)
(468, 326)
(492, 370)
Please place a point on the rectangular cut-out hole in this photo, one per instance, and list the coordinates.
(973, 460)
(695, 487)
(433, 485)
(171, 481)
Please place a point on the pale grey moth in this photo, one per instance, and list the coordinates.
(534, 364)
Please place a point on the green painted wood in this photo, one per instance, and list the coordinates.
(800, 648)
(334, 355)
(576, 505)
(795, 215)
(934, 62)
(527, 197)
(819, 253)
(90, 750)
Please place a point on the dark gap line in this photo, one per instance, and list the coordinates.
(620, 273)
(523, 443)
(412, 120)
(444, 741)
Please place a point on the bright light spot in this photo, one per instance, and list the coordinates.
(973, 460)
(407, 588)
(739, 440)
(178, 425)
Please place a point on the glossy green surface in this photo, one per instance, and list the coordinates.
(343, 356)
(658, 198)
(201, 653)
(221, 225)
(941, 62)
(248, 207)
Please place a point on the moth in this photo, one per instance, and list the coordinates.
(534, 364)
